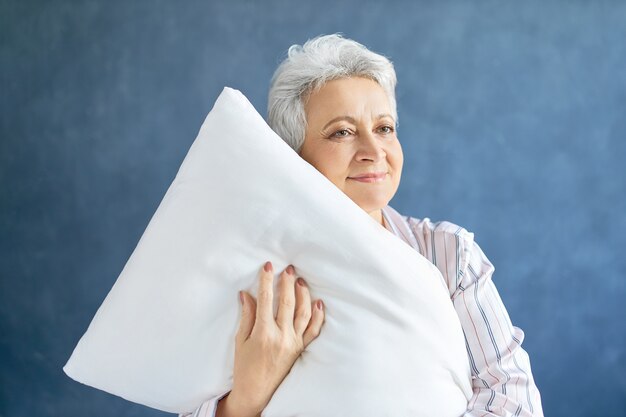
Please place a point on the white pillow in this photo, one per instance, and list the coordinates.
(391, 345)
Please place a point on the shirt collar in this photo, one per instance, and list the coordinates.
(399, 226)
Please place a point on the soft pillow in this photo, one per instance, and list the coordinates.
(391, 345)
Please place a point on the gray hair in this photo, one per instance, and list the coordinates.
(308, 67)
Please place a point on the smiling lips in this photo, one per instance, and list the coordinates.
(370, 177)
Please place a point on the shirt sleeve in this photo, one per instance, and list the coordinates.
(502, 380)
(207, 408)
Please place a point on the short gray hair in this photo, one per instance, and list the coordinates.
(308, 67)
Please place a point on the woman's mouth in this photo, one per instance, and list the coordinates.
(374, 177)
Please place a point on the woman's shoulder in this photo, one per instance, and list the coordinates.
(426, 226)
(449, 246)
(426, 230)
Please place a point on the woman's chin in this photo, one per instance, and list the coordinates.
(371, 203)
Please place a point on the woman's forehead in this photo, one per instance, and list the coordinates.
(349, 98)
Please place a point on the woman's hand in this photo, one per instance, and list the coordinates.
(267, 347)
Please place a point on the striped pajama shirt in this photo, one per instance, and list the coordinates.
(502, 381)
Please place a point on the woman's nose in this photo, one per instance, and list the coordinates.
(370, 148)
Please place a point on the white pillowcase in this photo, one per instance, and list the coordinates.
(391, 344)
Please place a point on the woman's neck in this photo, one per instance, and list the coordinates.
(378, 216)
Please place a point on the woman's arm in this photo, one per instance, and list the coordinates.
(217, 406)
(502, 380)
(207, 408)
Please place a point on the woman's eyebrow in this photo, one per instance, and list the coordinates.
(351, 119)
(336, 119)
(382, 115)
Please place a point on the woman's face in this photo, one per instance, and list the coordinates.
(351, 132)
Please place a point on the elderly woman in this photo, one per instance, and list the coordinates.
(333, 101)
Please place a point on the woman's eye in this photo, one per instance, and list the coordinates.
(341, 133)
(386, 129)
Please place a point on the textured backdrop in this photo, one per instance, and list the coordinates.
(513, 124)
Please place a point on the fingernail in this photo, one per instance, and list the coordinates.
(319, 304)
(301, 282)
(290, 270)
(268, 266)
(241, 297)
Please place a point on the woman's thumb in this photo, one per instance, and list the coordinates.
(247, 317)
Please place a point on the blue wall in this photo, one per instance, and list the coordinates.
(512, 119)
